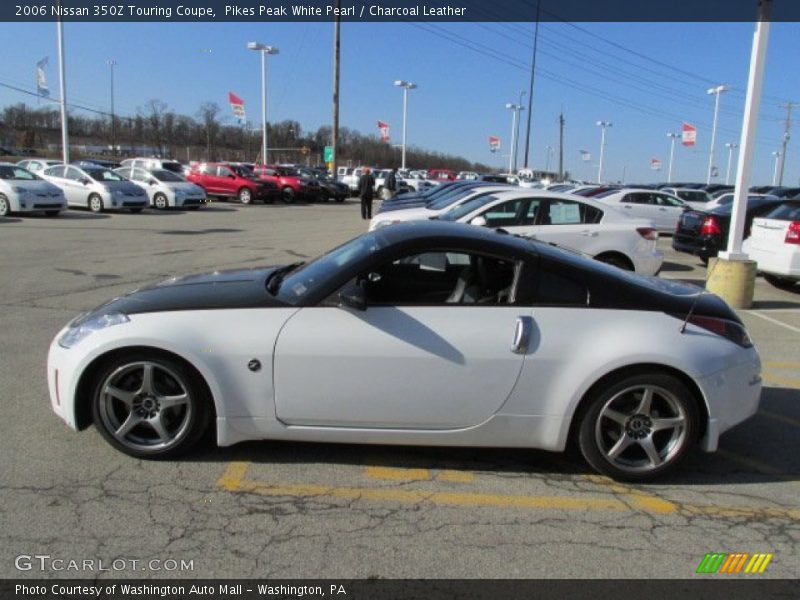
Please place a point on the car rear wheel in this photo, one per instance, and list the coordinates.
(160, 201)
(638, 427)
(5, 207)
(288, 195)
(782, 283)
(149, 406)
(96, 203)
(245, 196)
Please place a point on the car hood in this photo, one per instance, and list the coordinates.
(241, 288)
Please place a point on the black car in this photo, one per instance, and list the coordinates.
(330, 189)
(704, 234)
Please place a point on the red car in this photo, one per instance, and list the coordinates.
(292, 184)
(232, 181)
(442, 175)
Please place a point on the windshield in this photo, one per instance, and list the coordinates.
(454, 214)
(16, 174)
(752, 202)
(99, 174)
(168, 176)
(298, 283)
(285, 172)
(241, 170)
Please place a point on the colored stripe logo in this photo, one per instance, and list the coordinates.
(734, 563)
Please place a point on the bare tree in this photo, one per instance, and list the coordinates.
(208, 113)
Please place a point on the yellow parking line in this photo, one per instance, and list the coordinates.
(233, 476)
(634, 497)
(789, 382)
(781, 418)
(456, 476)
(397, 474)
(771, 364)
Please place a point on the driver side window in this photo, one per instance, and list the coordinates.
(441, 278)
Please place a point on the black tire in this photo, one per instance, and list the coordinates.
(245, 196)
(782, 283)
(5, 206)
(704, 260)
(640, 452)
(52, 213)
(95, 203)
(340, 199)
(615, 261)
(183, 425)
(325, 196)
(288, 195)
(160, 201)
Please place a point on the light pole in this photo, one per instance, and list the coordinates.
(731, 147)
(547, 163)
(777, 154)
(716, 91)
(406, 85)
(264, 50)
(519, 122)
(112, 63)
(603, 125)
(672, 137)
(512, 156)
(63, 91)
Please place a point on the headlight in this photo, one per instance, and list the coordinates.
(82, 327)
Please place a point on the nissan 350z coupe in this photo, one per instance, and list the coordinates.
(421, 333)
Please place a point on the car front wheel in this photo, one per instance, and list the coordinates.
(637, 428)
(160, 201)
(288, 195)
(5, 207)
(245, 196)
(149, 406)
(95, 203)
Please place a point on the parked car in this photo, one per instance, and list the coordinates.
(704, 234)
(152, 164)
(290, 182)
(774, 243)
(664, 210)
(96, 188)
(96, 162)
(22, 191)
(380, 176)
(723, 200)
(473, 338)
(434, 208)
(330, 189)
(420, 200)
(441, 175)
(467, 175)
(784, 193)
(226, 181)
(36, 165)
(580, 224)
(350, 177)
(166, 189)
(698, 199)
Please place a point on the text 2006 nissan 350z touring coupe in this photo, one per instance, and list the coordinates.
(420, 333)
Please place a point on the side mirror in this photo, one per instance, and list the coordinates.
(354, 296)
(85, 181)
(479, 221)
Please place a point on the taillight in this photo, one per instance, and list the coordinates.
(710, 226)
(647, 233)
(793, 233)
(730, 330)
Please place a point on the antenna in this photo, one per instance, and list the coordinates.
(697, 297)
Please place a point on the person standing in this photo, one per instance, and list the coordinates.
(366, 191)
(390, 185)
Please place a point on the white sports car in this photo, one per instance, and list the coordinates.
(423, 333)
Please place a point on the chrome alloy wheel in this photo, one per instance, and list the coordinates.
(641, 428)
(145, 406)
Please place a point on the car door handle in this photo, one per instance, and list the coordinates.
(628, 206)
(588, 233)
(663, 209)
(522, 335)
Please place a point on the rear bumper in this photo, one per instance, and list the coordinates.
(774, 259)
(704, 247)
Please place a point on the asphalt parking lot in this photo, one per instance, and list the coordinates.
(302, 510)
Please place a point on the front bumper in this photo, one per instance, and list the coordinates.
(62, 369)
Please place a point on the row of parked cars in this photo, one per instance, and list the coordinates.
(616, 226)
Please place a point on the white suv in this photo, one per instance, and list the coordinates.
(23, 191)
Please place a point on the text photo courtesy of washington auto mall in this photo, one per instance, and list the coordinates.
(387, 299)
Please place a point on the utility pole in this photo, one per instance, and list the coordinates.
(561, 145)
(336, 56)
(672, 137)
(530, 89)
(112, 63)
(63, 90)
(788, 106)
(715, 91)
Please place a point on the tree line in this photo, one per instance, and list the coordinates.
(207, 136)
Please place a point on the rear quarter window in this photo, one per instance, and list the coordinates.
(789, 211)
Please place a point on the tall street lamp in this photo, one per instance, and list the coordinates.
(777, 154)
(406, 85)
(603, 125)
(112, 63)
(512, 157)
(264, 50)
(731, 147)
(716, 91)
(672, 137)
(547, 163)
